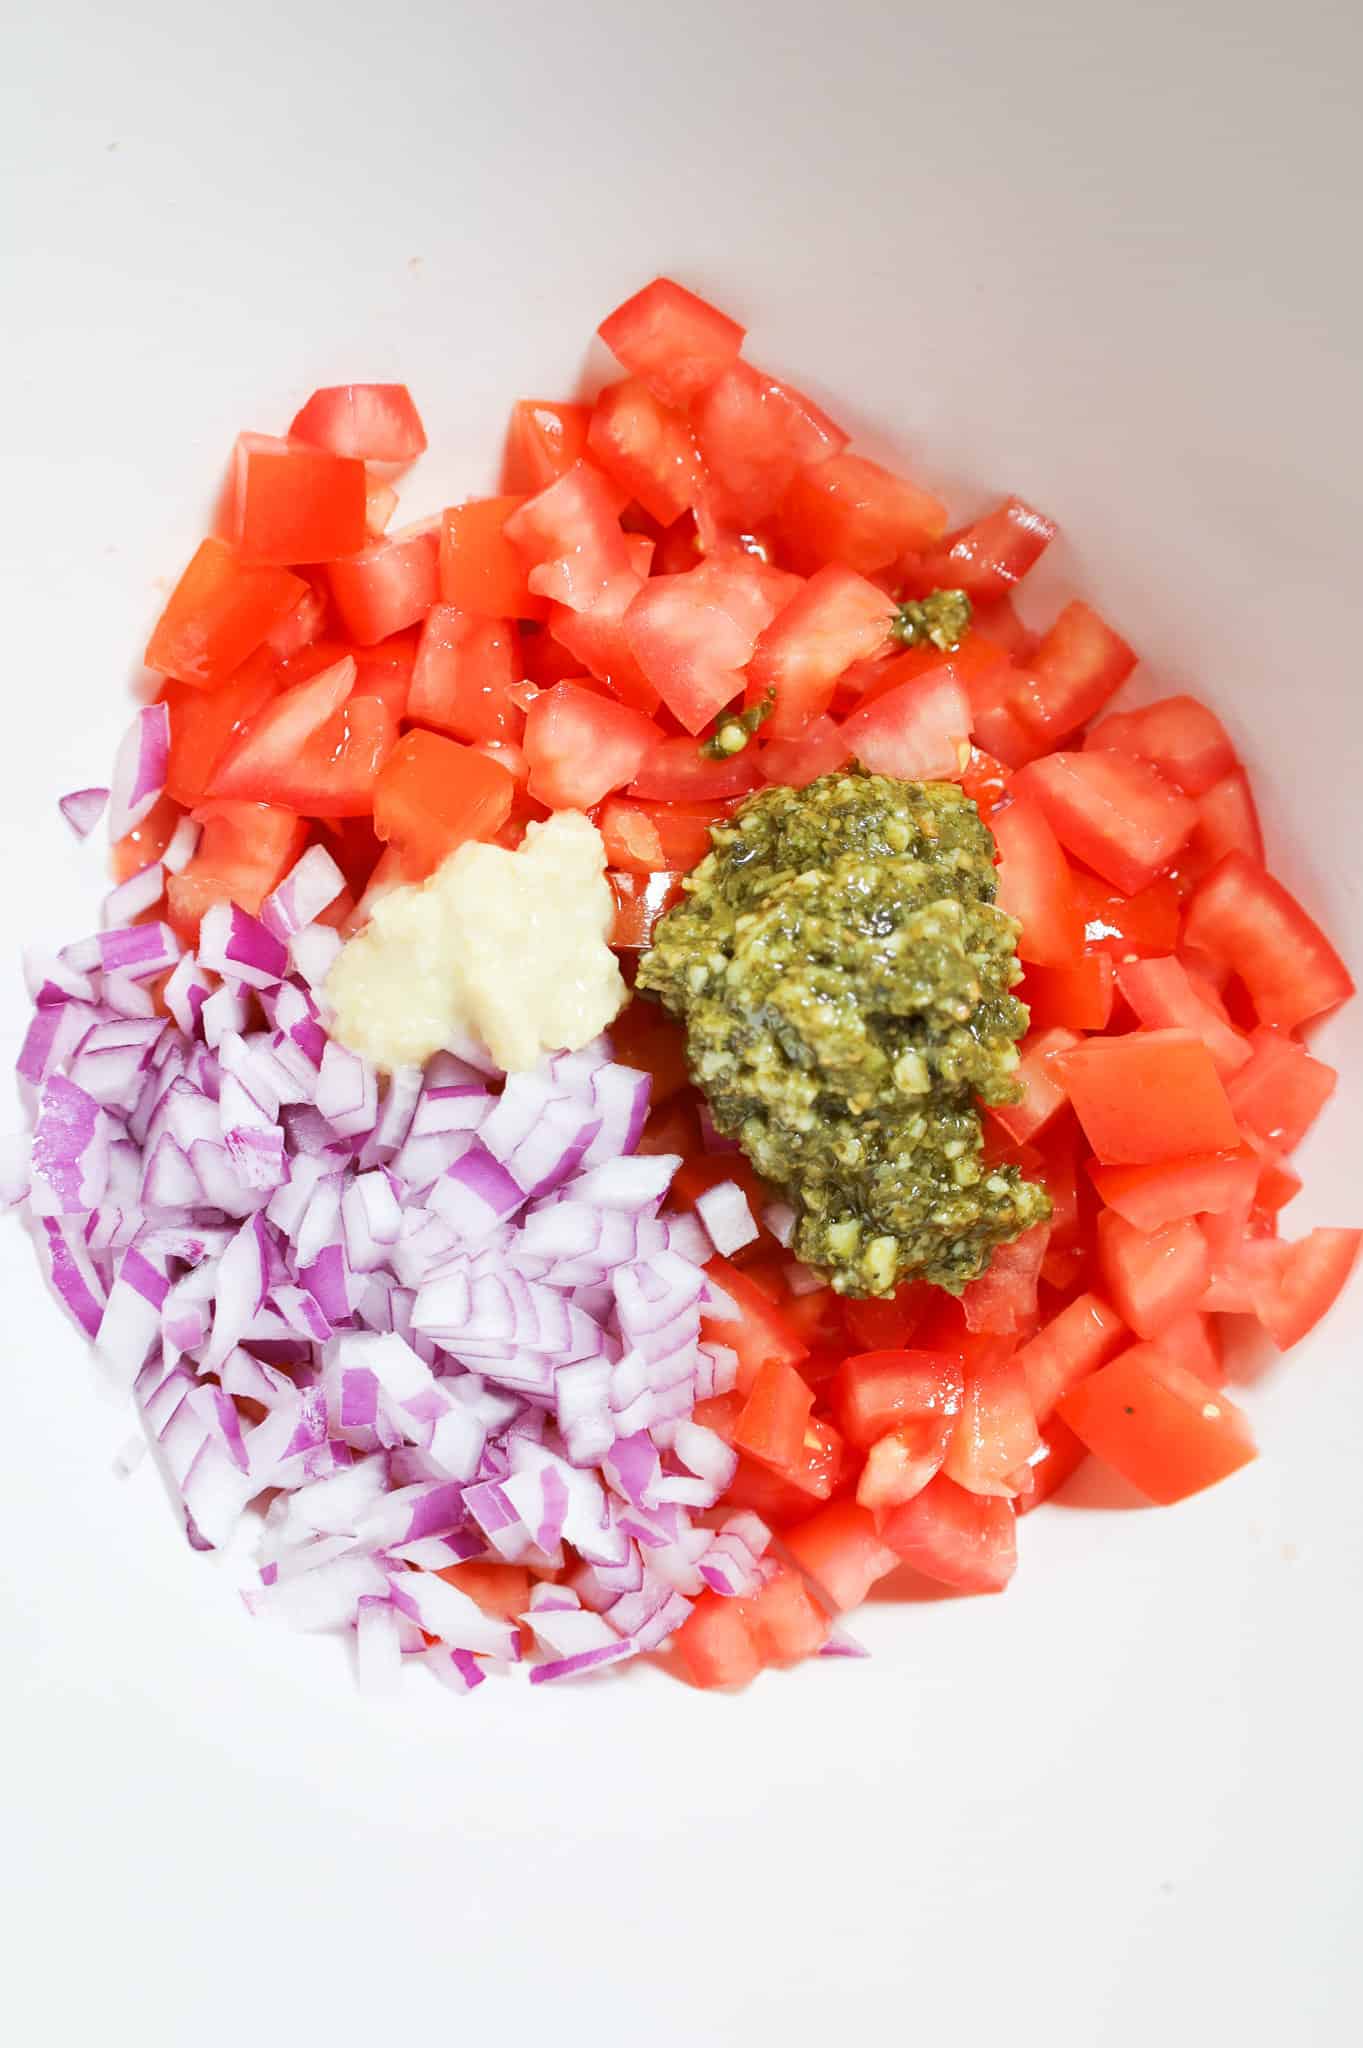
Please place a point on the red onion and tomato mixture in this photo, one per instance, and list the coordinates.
(490, 1368)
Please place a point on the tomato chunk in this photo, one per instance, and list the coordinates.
(1059, 1458)
(1162, 993)
(1295, 1284)
(464, 675)
(715, 1644)
(1146, 923)
(1077, 996)
(1077, 1341)
(1158, 1424)
(961, 1539)
(292, 503)
(244, 851)
(648, 449)
(204, 724)
(995, 1433)
(920, 731)
(1281, 1091)
(434, 794)
(387, 586)
(640, 901)
(1112, 811)
(1183, 738)
(1071, 673)
(818, 750)
(375, 422)
(842, 1552)
(1227, 822)
(218, 613)
(785, 1618)
(835, 619)
(1153, 1277)
(1254, 927)
(1036, 886)
(642, 838)
(693, 635)
(677, 772)
(480, 571)
(877, 1391)
(545, 438)
(1152, 1096)
(315, 748)
(758, 1333)
(755, 433)
(580, 746)
(848, 510)
(1043, 1091)
(987, 558)
(1149, 1197)
(772, 1425)
(676, 342)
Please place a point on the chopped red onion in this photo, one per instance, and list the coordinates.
(139, 769)
(724, 1211)
(83, 809)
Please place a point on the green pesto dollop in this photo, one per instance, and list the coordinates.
(845, 981)
(941, 619)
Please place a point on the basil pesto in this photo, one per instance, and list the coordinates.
(844, 978)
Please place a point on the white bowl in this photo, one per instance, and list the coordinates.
(1102, 257)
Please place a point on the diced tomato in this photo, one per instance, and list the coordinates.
(1071, 674)
(819, 750)
(1058, 1459)
(374, 422)
(715, 1644)
(1183, 738)
(316, 748)
(1152, 1096)
(995, 1433)
(1158, 1424)
(387, 586)
(1003, 1299)
(570, 538)
(480, 571)
(900, 1463)
(760, 1334)
(1227, 822)
(677, 772)
(848, 510)
(1112, 811)
(1294, 1284)
(1043, 1094)
(678, 343)
(244, 851)
(1145, 924)
(886, 1324)
(836, 619)
(920, 731)
(772, 1425)
(204, 724)
(1152, 1277)
(877, 1391)
(598, 641)
(545, 438)
(644, 1036)
(987, 783)
(988, 557)
(1246, 920)
(1076, 996)
(380, 503)
(1077, 1341)
(1149, 1197)
(640, 901)
(292, 503)
(1281, 1091)
(781, 1498)
(643, 838)
(755, 433)
(1192, 1341)
(961, 1539)
(1278, 1183)
(842, 1552)
(434, 794)
(785, 1618)
(580, 746)
(301, 626)
(502, 1590)
(464, 677)
(1162, 994)
(147, 841)
(693, 635)
(648, 449)
(977, 664)
(383, 670)
(1035, 885)
(219, 613)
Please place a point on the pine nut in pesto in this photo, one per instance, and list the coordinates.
(845, 982)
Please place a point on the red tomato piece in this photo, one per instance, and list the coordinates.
(977, 664)
(1035, 885)
(648, 450)
(1162, 994)
(755, 433)
(291, 503)
(1152, 1096)
(580, 746)
(219, 613)
(837, 618)
(876, 1391)
(387, 586)
(988, 557)
(545, 438)
(848, 510)
(716, 1646)
(995, 1433)
(598, 642)
(1293, 1285)
(1183, 738)
(1247, 922)
(315, 748)
(676, 342)
(1113, 812)
(920, 731)
(204, 724)
(1058, 1459)
(1149, 1197)
(693, 635)
(1227, 822)
(785, 1618)
(643, 838)
(645, 1037)
(987, 783)
(1192, 1342)
(1158, 1424)
(1043, 1094)
(781, 1498)
(1152, 1277)
(772, 1425)
(1075, 1342)
(464, 677)
(961, 1539)
(570, 539)
(374, 422)
(1071, 674)
(640, 901)
(1277, 1183)
(677, 772)
(1077, 996)
(1003, 1299)
(886, 1324)
(433, 794)
(842, 1552)
(244, 851)
(480, 571)
(1146, 923)
(900, 1463)
(818, 750)
(1282, 1090)
(759, 1333)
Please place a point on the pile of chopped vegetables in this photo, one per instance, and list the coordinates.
(489, 1368)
